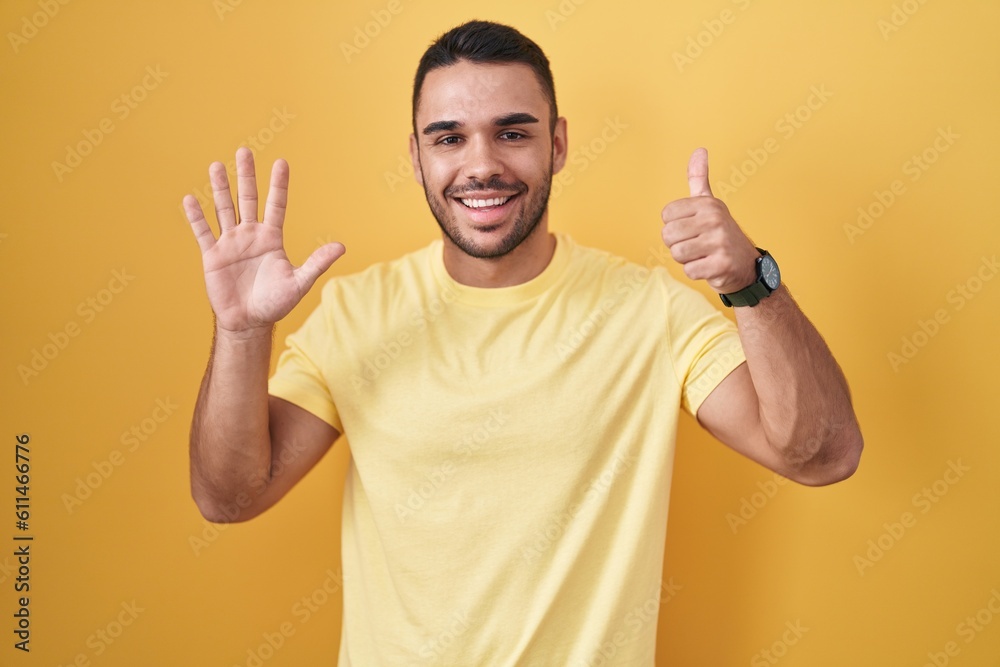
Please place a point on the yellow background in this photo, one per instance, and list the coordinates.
(226, 66)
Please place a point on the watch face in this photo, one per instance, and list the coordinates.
(769, 272)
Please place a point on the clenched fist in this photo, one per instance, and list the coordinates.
(702, 235)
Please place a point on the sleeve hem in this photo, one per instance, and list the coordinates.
(729, 361)
(319, 406)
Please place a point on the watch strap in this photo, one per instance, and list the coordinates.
(751, 295)
(748, 296)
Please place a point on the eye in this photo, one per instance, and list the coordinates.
(448, 141)
(512, 135)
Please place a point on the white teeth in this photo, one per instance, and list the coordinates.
(483, 203)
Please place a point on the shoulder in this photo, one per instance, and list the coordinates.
(591, 261)
(645, 289)
(647, 275)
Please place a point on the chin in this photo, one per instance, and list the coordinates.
(491, 242)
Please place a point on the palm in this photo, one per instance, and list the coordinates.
(249, 277)
(250, 281)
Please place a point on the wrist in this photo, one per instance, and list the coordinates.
(767, 280)
(746, 278)
(245, 334)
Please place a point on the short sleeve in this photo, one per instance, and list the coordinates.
(704, 344)
(299, 377)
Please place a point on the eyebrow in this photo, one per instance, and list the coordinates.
(515, 118)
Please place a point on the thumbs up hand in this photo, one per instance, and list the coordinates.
(702, 235)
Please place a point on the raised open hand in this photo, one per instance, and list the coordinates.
(250, 282)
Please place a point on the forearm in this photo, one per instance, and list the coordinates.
(230, 439)
(804, 401)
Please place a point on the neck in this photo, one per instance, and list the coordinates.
(520, 265)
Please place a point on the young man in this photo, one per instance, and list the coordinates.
(511, 398)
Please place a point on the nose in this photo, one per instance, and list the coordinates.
(483, 160)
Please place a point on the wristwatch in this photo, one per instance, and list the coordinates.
(768, 279)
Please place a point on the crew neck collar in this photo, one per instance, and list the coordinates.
(502, 296)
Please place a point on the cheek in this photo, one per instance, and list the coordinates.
(537, 180)
(534, 167)
(438, 176)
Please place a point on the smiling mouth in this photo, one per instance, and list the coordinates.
(484, 204)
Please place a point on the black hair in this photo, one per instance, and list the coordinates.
(486, 42)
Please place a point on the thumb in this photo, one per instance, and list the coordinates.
(698, 174)
(318, 262)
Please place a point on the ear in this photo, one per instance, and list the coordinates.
(559, 146)
(415, 160)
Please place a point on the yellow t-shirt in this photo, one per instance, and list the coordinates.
(511, 453)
